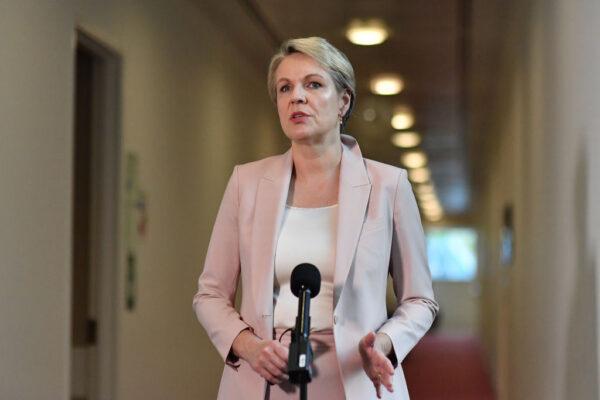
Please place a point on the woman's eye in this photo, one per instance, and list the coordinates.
(314, 85)
(284, 88)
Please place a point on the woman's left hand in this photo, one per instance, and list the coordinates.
(375, 362)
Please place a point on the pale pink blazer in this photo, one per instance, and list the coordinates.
(379, 232)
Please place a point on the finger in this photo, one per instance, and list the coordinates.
(281, 351)
(273, 369)
(378, 390)
(270, 357)
(387, 382)
(279, 362)
(369, 339)
(268, 376)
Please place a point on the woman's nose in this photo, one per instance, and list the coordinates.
(298, 95)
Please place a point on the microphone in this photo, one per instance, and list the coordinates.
(305, 283)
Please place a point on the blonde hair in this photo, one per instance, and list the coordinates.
(329, 57)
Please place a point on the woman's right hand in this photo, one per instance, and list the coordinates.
(267, 357)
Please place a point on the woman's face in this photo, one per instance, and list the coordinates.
(307, 100)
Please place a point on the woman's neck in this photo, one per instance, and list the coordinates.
(316, 160)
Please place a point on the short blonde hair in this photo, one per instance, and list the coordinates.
(329, 57)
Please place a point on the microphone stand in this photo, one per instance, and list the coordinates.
(300, 360)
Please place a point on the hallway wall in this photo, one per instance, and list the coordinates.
(192, 107)
(540, 315)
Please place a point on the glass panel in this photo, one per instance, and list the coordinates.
(452, 253)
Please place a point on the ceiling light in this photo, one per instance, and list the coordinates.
(419, 175)
(424, 188)
(386, 84)
(430, 204)
(434, 213)
(406, 139)
(434, 217)
(427, 199)
(414, 159)
(403, 118)
(368, 32)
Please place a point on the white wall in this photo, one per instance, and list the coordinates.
(459, 311)
(35, 215)
(192, 107)
(540, 316)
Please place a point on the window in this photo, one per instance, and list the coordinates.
(452, 253)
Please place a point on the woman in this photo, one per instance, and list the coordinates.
(320, 202)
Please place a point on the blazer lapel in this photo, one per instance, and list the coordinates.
(271, 198)
(353, 198)
(272, 192)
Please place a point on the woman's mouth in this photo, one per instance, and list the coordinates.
(298, 116)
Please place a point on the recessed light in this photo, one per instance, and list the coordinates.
(406, 139)
(367, 32)
(419, 175)
(386, 84)
(424, 188)
(414, 159)
(403, 118)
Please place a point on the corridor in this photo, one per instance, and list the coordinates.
(121, 123)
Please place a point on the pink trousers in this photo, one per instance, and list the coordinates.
(326, 379)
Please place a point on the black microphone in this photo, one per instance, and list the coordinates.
(305, 284)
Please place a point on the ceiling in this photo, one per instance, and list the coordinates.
(431, 47)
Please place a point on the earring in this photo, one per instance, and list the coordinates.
(340, 118)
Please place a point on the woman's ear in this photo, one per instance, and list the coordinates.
(345, 100)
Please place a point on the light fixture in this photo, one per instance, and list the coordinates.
(427, 199)
(414, 159)
(432, 210)
(386, 84)
(430, 204)
(424, 188)
(419, 175)
(403, 118)
(367, 32)
(406, 139)
(434, 217)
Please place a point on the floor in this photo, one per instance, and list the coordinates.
(443, 367)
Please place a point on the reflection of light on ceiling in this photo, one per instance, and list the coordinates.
(406, 139)
(367, 33)
(403, 118)
(419, 175)
(414, 159)
(369, 115)
(386, 84)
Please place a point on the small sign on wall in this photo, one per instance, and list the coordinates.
(507, 236)
(136, 226)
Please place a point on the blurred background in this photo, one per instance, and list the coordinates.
(121, 121)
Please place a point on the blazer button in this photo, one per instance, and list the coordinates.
(335, 319)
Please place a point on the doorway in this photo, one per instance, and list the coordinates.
(95, 233)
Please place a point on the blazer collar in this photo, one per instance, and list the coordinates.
(353, 169)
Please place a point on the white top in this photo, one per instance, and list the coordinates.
(308, 235)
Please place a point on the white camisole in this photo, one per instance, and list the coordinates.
(308, 235)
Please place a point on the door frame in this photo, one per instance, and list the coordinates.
(105, 220)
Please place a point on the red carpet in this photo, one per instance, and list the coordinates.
(444, 367)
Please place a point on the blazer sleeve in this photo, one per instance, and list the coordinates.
(214, 301)
(416, 305)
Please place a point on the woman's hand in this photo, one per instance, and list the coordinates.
(373, 349)
(267, 357)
